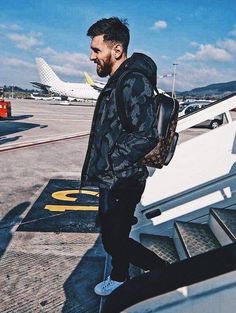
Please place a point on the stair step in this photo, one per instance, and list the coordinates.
(195, 238)
(223, 224)
(163, 246)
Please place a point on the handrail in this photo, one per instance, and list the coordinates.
(213, 109)
(210, 104)
(186, 193)
(184, 273)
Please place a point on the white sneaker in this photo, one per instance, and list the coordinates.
(107, 286)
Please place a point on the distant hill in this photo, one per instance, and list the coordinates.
(220, 89)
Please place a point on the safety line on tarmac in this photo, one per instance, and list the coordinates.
(41, 142)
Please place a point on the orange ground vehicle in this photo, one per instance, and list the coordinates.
(5, 106)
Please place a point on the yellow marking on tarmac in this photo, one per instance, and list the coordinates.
(64, 194)
(63, 208)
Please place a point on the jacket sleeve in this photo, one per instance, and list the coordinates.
(138, 100)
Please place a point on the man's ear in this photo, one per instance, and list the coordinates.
(117, 51)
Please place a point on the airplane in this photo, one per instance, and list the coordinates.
(50, 82)
(36, 97)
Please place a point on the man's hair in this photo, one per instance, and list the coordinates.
(113, 29)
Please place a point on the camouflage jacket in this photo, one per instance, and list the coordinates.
(114, 154)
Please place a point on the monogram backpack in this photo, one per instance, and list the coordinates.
(167, 116)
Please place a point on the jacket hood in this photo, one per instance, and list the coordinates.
(141, 63)
(144, 64)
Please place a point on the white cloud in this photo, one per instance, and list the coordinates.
(197, 69)
(14, 62)
(70, 64)
(71, 57)
(233, 32)
(207, 52)
(26, 41)
(189, 77)
(65, 56)
(10, 27)
(229, 45)
(159, 25)
(68, 70)
(17, 72)
(47, 51)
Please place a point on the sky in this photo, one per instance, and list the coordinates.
(198, 35)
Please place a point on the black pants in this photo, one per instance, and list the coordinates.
(116, 210)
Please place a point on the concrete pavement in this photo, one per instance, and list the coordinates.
(50, 257)
(53, 260)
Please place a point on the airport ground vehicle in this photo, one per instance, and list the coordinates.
(189, 108)
(210, 123)
(213, 123)
(5, 106)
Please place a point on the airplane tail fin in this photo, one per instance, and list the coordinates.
(47, 75)
(89, 79)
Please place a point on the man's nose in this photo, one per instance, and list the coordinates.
(92, 56)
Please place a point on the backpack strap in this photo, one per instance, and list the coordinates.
(128, 127)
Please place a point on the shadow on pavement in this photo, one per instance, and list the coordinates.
(6, 140)
(8, 222)
(10, 127)
(79, 287)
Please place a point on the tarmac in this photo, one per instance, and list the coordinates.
(51, 255)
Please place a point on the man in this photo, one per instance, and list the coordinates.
(113, 157)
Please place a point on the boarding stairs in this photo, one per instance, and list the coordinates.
(202, 270)
(189, 219)
(191, 238)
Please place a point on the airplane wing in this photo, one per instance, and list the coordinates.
(41, 86)
(99, 82)
(97, 87)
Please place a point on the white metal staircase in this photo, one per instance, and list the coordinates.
(191, 238)
(187, 214)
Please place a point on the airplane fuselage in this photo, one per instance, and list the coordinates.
(74, 90)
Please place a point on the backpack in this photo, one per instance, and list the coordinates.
(167, 116)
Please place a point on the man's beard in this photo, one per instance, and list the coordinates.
(104, 70)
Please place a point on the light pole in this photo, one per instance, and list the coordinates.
(174, 74)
